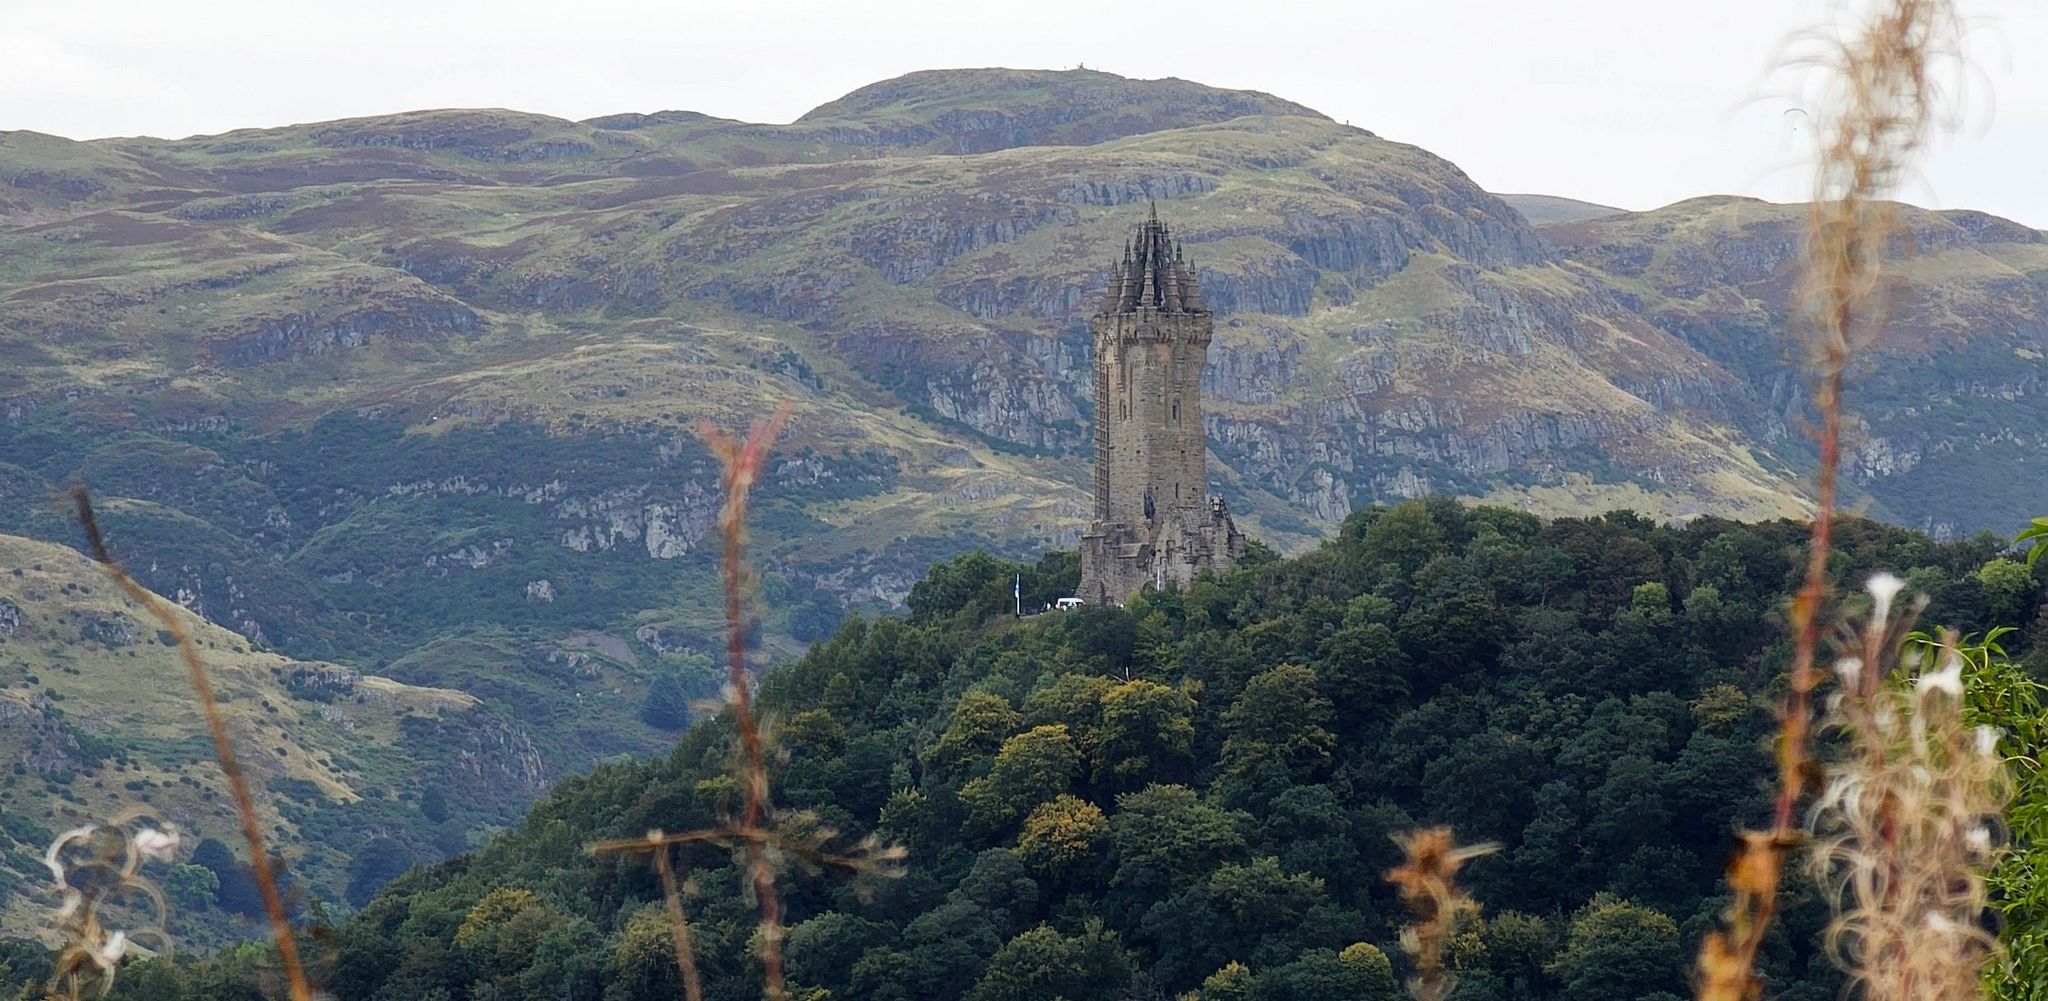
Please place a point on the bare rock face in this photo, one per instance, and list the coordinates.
(664, 528)
(113, 629)
(27, 723)
(1964, 337)
(498, 751)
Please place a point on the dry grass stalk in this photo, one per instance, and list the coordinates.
(96, 870)
(672, 898)
(1908, 821)
(223, 748)
(767, 839)
(741, 461)
(1879, 113)
(1428, 884)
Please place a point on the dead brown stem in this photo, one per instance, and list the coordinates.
(1427, 881)
(1878, 114)
(672, 896)
(742, 462)
(223, 749)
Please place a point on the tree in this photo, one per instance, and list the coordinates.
(1064, 838)
(1616, 951)
(643, 962)
(977, 584)
(378, 862)
(1280, 717)
(1260, 898)
(1103, 631)
(1371, 965)
(1405, 535)
(1031, 767)
(1043, 965)
(1323, 975)
(1519, 948)
(434, 805)
(1144, 725)
(980, 723)
(1484, 785)
(1449, 638)
(1074, 700)
(1165, 837)
(822, 951)
(190, 887)
(667, 704)
(2008, 589)
(1362, 672)
(1231, 983)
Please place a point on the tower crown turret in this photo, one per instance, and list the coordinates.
(1154, 274)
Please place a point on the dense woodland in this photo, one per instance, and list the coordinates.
(1195, 794)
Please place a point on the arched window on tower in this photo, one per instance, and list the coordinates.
(1176, 410)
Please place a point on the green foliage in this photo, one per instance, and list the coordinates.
(2004, 697)
(667, 703)
(1064, 839)
(1279, 719)
(1044, 965)
(981, 722)
(1616, 950)
(1031, 768)
(1140, 798)
(1231, 983)
(189, 888)
(2036, 533)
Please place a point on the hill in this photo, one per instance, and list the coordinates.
(418, 394)
(1117, 803)
(358, 774)
(1948, 397)
(1540, 209)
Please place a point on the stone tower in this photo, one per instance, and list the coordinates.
(1154, 522)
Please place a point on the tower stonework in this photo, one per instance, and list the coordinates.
(1154, 522)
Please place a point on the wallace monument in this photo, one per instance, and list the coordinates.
(1154, 522)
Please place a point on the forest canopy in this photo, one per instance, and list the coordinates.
(1195, 794)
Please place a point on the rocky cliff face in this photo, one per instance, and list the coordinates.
(1951, 389)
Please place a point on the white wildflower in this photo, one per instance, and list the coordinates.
(1849, 669)
(1978, 840)
(1987, 740)
(51, 859)
(111, 953)
(1948, 680)
(1883, 587)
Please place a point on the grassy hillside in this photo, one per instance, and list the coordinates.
(97, 717)
(1950, 397)
(1540, 209)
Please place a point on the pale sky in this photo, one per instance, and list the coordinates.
(1634, 103)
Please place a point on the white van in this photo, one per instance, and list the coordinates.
(1065, 604)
